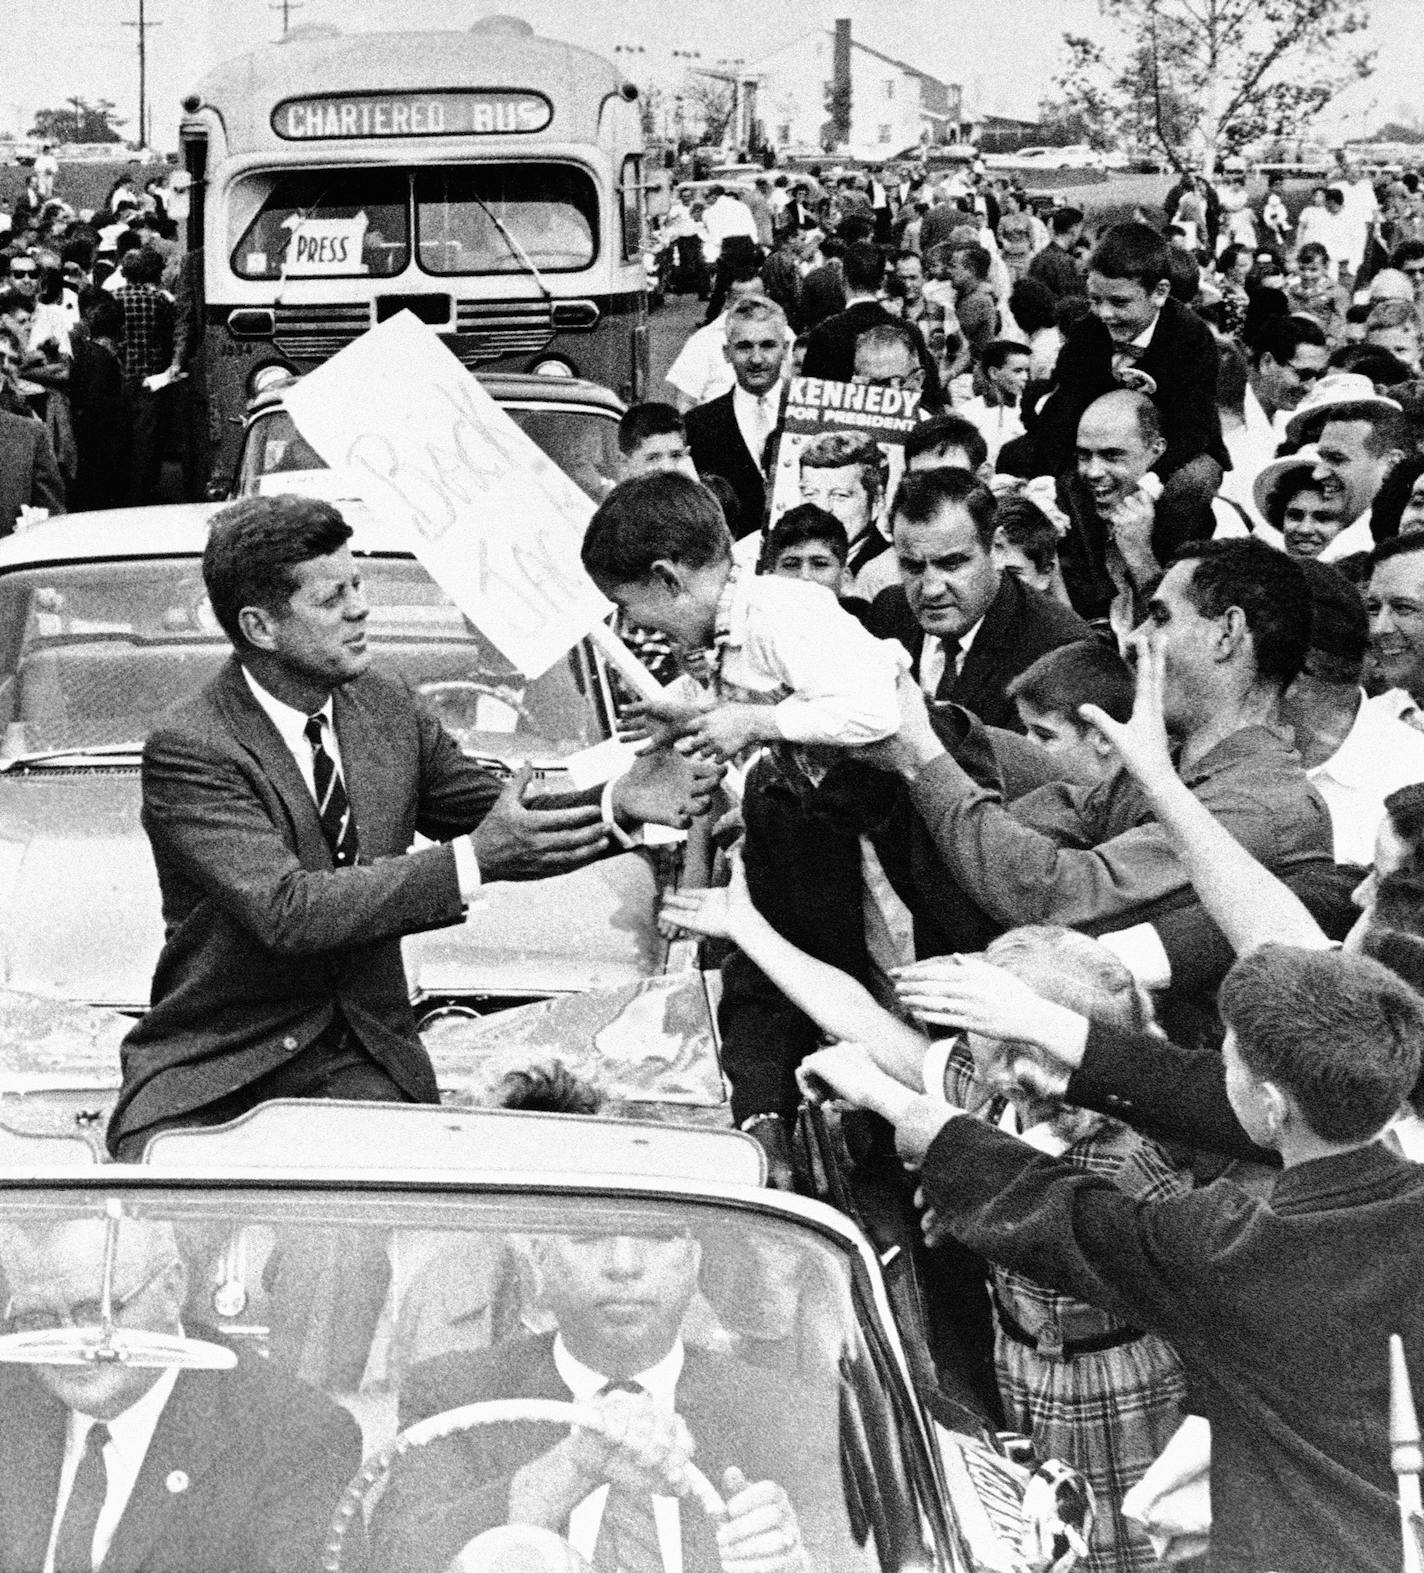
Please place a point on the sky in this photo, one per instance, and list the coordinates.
(1003, 52)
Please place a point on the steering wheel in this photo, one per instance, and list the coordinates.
(370, 1480)
(447, 688)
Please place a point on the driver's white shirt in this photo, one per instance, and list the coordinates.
(660, 1383)
(129, 1437)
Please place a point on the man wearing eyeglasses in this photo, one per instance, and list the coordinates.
(29, 473)
(619, 1301)
(1288, 358)
(126, 1466)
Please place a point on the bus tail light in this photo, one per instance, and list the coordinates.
(250, 322)
(553, 366)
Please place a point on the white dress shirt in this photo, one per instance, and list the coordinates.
(291, 725)
(932, 658)
(1380, 754)
(660, 1383)
(129, 1437)
(1355, 537)
(756, 418)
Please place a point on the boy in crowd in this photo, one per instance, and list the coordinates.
(807, 543)
(784, 663)
(1049, 694)
(653, 437)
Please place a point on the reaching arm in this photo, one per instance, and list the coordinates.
(1250, 904)
(831, 998)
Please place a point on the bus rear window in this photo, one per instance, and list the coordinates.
(323, 224)
(501, 218)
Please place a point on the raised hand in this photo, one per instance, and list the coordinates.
(1141, 743)
(721, 912)
(967, 993)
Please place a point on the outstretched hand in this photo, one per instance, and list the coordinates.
(1141, 743)
(519, 840)
(969, 994)
(721, 912)
(659, 721)
(666, 787)
(846, 1071)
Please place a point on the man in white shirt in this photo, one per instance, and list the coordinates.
(125, 1464)
(1395, 602)
(1004, 367)
(701, 370)
(619, 1302)
(1358, 446)
(726, 216)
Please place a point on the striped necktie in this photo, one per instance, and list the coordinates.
(332, 805)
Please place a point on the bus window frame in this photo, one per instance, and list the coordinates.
(595, 234)
(632, 221)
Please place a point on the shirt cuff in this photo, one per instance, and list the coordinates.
(467, 868)
(1141, 951)
(623, 837)
(922, 1120)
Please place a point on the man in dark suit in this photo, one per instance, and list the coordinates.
(727, 436)
(619, 1302)
(281, 803)
(1138, 337)
(147, 1469)
(970, 627)
(29, 472)
(830, 347)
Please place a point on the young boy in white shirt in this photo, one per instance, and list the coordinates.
(778, 661)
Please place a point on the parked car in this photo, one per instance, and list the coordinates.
(104, 624)
(381, 1270)
(1075, 155)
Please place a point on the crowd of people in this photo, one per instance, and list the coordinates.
(1069, 776)
(96, 328)
(1108, 951)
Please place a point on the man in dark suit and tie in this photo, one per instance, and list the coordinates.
(281, 802)
(1138, 337)
(152, 1469)
(830, 347)
(619, 1301)
(970, 627)
(727, 436)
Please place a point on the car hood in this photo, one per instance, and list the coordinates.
(80, 916)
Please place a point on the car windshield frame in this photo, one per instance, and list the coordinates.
(66, 688)
(874, 1362)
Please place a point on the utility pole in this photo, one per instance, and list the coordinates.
(286, 7)
(142, 26)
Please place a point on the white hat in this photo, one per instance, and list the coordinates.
(1340, 387)
(1264, 487)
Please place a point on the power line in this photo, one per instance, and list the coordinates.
(142, 26)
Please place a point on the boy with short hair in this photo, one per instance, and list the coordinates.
(783, 662)
(808, 543)
(1049, 694)
(653, 436)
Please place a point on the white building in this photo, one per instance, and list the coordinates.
(893, 105)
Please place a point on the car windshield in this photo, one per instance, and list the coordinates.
(307, 1329)
(93, 653)
(277, 458)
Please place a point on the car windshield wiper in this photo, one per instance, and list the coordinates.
(45, 756)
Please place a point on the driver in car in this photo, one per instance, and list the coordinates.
(149, 1468)
(765, 1440)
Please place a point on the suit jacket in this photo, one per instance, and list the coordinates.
(264, 938)
(822, 294)
(29, 472)
(830, 348)
(261, 1459)
(1278, 1308)
(1019, 626)
(715, 441)
(441, 1496)
(1182, 359)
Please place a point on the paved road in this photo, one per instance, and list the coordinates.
(680, 316)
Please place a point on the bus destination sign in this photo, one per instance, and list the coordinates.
(467, 113)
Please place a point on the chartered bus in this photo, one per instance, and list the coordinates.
(489, 181)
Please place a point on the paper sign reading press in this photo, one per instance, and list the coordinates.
(495, 521)
(322, 247)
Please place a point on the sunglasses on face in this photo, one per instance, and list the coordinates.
(1309, 373)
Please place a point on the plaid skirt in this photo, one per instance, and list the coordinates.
(1108, 1415)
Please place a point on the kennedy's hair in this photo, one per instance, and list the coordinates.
(254, 545)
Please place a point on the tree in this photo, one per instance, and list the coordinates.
(712, 100)
(1209, 75)
(78, 121)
